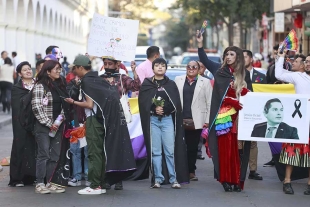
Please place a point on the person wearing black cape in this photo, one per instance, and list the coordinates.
(230, 80)
(148, 111)
(110, 154)
(23, 163)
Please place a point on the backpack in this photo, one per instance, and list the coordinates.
(26, 116)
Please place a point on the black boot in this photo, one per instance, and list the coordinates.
(118, 186)
(237, 188)
(307, 191)
(287, 188)
(227, 187)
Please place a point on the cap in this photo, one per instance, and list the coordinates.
(82, 60)
(110, 58)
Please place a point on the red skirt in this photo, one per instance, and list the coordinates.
(229, 161)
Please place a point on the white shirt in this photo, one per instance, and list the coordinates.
(274, 130)
(251, 73)
(6, 73)
(15, 62)
(300, 80)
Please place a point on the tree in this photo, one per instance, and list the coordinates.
(227, 11)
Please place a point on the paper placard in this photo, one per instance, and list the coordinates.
(113, 37)
(287, 116)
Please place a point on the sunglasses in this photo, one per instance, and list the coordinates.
(192, 67)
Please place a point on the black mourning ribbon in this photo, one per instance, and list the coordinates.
(297, 107)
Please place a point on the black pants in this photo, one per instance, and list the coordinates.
(48, 151)
(192, 138)
(6, 88)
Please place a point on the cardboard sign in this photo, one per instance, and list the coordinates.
(113, 37)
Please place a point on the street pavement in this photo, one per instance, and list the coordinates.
(205, 192)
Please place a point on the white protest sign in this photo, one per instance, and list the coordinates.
(113, 37)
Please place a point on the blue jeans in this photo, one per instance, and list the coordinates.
(77, 161)
(162, 136)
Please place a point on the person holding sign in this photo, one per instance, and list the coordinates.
(231, 80)
(294, 154)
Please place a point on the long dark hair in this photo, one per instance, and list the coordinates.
(43, 77)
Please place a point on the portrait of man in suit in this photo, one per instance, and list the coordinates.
(274, 127)
(256, 76)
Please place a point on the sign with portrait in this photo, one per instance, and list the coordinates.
(270, 117)
(113, 37)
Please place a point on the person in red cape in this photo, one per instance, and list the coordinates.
(231, 82)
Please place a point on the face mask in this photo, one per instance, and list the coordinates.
(108, 70)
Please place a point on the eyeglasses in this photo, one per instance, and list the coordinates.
(58, 69)
(192, 67)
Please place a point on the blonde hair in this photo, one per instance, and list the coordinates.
(239, 68)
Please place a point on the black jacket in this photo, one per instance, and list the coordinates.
(284, 131)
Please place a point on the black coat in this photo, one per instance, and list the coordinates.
(23, 163)
(222, 79)
(120, 162)
(284, 131)
(147, 92)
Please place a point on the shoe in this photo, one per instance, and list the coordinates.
(176, 185)
(42, 189)
(118, 186)
(74, 182)
(307, 191)
(87, 183)
(269, 164)
(106, 186)
(200, 157)
(54, 188)
(1, 168)
(19, 184)
(156, 185)
(287, 188)
(103, 191)
(237, 188)
(192, 177)
(227, 187)
(255, 176)
(91, 191)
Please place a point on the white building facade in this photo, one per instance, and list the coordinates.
(30, 26)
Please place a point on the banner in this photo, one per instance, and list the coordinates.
(113, 37)
(275, 118)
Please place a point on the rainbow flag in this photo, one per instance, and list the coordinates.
(290, 42)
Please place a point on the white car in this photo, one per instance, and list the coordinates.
(191, 56)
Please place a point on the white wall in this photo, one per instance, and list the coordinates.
(30, 26)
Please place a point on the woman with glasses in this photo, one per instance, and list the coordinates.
(23, 163)
(195, 92)
(231, 82)
(48, 105)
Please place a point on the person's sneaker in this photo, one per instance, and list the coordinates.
(118, 186)
(269, 164)
(176, 185)
(19, 184)
(307, 191)
(74, 182)
(193, 177)
(54, 188)
(103, 191)
(156, 185)
(42, 189)
(91, 191)
(1, 168)
(287, 188)
(87, 183)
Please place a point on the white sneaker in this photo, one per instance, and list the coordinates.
(87, 183)
(74, 182)
(90, 191)
(156, 185)
(175, 185)
(103, 191)
(54, 188)
(42, 189)
(1, 168)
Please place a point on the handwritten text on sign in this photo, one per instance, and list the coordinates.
(113, 37)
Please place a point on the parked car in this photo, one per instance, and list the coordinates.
(189, 56)
(171, 72)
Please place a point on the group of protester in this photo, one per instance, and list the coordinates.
(85, 113)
